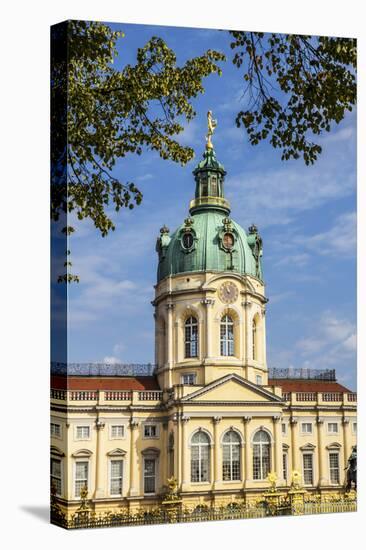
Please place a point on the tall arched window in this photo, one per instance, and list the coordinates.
(254, 340)
(261, 455)
(191, 337)
(231, 456)
(227, 336)
(200, 457)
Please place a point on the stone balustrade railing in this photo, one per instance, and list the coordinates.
(320, 397)
(106, 395)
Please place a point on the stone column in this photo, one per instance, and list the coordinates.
(278, 448)
(346, 440)
(295, 451)
(247, 468)
(264, 340)
(208, 303)
(170, 338)
(246, 305)
(165, 453)
(185, 454)
(100, 459)
(217, 477)
(177, 449)
(134, 432)
(321, 452)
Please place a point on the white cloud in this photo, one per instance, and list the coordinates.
(145, 177)
(190, 134)
(117, 348)
(335, 337)
(273, 197)
(298, 260)
(111, 360)
(338, 240)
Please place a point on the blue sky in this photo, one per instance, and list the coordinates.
(306, 216)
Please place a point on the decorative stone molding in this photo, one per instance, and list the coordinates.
(334, 446)
(185, 418)
(82, 453)
(55, 451)
(216, 419)
(247, 419)
(170, 305)
(208, 301)
(346, 420)
(151, 452)
(246, 304)
(308, 447)
(294, 420)
(99, 424)
(116, 452)
(134, 423)
(277, 418)
(320, 420)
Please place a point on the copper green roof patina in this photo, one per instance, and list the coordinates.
(209, 240)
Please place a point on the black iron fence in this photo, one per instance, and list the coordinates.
(85, 519)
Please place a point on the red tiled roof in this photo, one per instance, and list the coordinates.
(105, 383)
(308, 386)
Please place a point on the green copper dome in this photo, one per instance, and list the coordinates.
(209, 240)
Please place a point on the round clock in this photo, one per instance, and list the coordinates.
(228, 292)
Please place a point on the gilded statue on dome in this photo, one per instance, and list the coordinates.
(211, 125)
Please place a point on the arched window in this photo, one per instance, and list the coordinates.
(231, 456)
(191, 337)
(227, 336)
(261, 455)
(254, 340)
(200, 457)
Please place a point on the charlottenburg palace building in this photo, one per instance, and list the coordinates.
(208, 413)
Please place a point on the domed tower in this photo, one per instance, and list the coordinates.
(209, 300)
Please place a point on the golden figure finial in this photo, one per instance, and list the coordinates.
(211, 125)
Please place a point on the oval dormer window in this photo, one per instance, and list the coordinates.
(187, 241)
(228, 241)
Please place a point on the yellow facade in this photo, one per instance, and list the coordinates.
(131, 441)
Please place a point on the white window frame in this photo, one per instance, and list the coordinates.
(227, 344)
(284, 428)
(200, 445)
(76, 432)
(231, 446)
(261, 449)
(191, 338)
(155, 458)
(115, 425)
(333, 452)
(53, 423)
(192, 374)
(148, 425)
(305, 432)
(77, 461)
(258, 380)
(58, 459)
(354, 427)
(312, 469)
(115, 459)
(331, 432)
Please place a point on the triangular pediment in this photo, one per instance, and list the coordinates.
(232, 388)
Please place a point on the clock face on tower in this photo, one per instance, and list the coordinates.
(228, 293)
